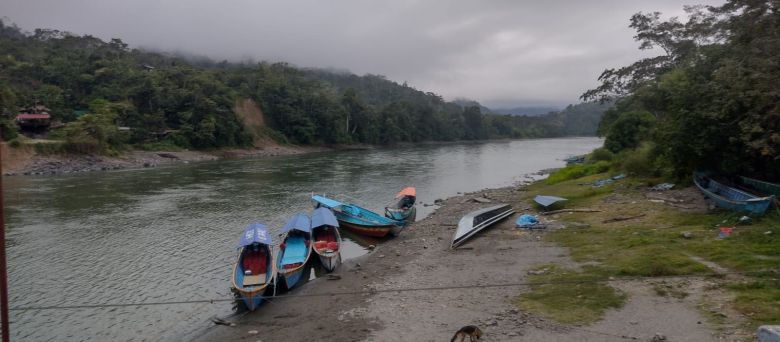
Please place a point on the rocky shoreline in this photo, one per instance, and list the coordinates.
(28, 163)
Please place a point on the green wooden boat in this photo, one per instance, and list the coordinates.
(765, 187)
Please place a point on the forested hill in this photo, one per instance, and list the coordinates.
(175, 101)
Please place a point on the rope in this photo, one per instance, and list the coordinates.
(372, 291)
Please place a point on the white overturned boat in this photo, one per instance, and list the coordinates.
(475, 221)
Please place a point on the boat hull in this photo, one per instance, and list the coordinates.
(407, 216)
(252, 296)
(369, 230)
(359, 220)
(476, 221)
(729, 198)
(765, 187)
(330, 261)
(292, 277)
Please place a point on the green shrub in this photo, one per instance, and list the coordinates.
(15, 143)
(601, 154)
(577, 171)
(165, 145)
(48, 148)
(8, 129)
(640, 161)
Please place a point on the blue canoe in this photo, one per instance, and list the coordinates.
(359, 220)
(295, 250)
(763, 186)
(254, 271)
(731, 198)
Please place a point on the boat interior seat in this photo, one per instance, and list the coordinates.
(254, 280)
(351, 210)
(296, 249)
(294, 265)
(255, 262)
(326, 235)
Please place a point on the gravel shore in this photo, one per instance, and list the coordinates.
(415, 288)
(20, 162)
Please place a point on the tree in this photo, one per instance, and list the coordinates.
(95, 132)
(713, 93)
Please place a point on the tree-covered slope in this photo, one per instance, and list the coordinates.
(190, 103)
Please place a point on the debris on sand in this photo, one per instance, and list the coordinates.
(220, 321)
(571, 211)
(724, 232)
(526, 221)
(622, 218)
(662, 187)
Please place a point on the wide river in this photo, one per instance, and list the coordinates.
(170, 233)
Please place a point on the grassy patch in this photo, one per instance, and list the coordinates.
(49, 147)
(159, 146)
(563, 299)
(575, 171)
(759, 300)
(653, 245)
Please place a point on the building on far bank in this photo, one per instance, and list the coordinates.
(34, 121)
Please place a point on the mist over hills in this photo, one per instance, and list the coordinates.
(529, 110)
(189, 101)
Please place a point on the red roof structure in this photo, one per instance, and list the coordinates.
(28, 116)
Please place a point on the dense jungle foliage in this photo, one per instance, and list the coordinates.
(710, 102)
(176, 101)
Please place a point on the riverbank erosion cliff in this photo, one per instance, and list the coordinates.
(589, 276)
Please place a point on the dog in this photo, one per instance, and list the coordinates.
(471, 331)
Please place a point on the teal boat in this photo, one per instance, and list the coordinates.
(358, 219)
(295, 250)
(763, 186)
(731, 198)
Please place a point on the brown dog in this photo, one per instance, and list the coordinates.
(471, 331)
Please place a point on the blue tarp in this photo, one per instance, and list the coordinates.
(255, 232)
(602, 182)
(547, 201)
(326, 202)
(526, 220)
(323, 217)
(299, 221)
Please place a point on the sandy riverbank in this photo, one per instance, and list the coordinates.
(25, 161)
(421, 258)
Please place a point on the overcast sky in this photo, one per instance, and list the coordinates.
(500, 53)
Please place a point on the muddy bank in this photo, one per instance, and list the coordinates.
(24, 161)
(415, 288)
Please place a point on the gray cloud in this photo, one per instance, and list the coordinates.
(501, 53)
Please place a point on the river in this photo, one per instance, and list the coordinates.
(169, 233)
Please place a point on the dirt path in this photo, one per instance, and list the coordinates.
(421, 258)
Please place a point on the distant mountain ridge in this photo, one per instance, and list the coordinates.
(523, 110)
